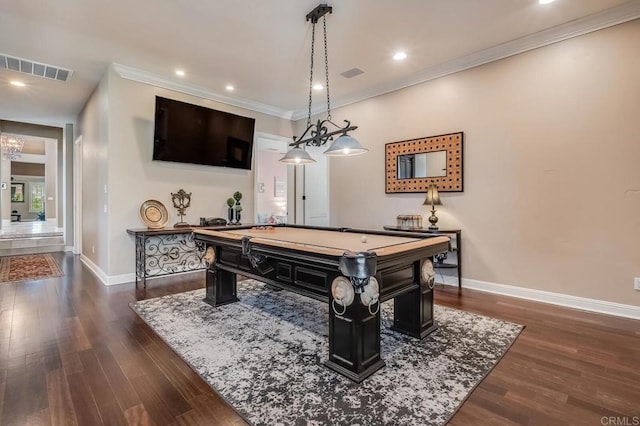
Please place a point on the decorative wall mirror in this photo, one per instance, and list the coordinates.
(413, 164)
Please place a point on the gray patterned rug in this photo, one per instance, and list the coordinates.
(264, 355)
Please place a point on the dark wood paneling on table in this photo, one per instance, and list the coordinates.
(73, 352)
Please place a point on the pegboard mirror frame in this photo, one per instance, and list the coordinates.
(452, 182)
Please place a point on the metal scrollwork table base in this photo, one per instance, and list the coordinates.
(166, 251)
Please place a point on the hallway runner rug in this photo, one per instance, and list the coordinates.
(28, 267)
(265, 354)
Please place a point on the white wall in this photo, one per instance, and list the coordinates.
(551, 195)
(267, 204)
(51, 177)
(5, 176)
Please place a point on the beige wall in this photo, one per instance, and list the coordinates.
(27, 169)
(133, 177)
(67, 202)
(551, 174)
(92, 125)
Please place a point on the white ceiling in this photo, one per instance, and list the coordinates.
(262, 47)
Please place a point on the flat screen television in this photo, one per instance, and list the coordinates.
(187, 133)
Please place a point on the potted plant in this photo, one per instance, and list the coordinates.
(238, 209)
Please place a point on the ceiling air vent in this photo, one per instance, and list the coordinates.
(34, 68)
(352, 73)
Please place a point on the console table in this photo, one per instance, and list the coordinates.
(439, 261)
(165, 251)
(168, 251)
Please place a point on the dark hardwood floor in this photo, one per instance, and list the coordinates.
(73, 352)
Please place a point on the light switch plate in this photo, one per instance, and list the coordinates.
(636, 283)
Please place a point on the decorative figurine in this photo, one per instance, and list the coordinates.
(181, 200)
(230, 202)
(237, 196)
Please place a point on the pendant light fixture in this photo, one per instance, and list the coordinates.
(11, 146)
(319, 134)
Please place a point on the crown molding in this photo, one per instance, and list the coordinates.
(141, 76)
(607, 18)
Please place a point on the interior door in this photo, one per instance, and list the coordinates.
(315, 198)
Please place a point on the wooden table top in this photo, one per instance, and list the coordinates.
(172, 230)
(326, 241)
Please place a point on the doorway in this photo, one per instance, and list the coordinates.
(29, 178)
(272, 181)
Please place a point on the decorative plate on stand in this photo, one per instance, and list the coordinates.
(154, 214)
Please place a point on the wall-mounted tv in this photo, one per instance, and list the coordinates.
(187, 133)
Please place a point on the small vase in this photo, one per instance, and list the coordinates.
(230, 214)
(238, 217)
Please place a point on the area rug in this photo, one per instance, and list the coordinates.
(264, 355)
(28, 267)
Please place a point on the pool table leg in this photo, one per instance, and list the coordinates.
(221, 287)
(354, 341)
(413, 311)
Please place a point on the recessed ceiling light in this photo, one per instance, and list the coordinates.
(399, 56)
(17, 83)
(229, 88)
(180, 73)
(545, 1)
(318, 86)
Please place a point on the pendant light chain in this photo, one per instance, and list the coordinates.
(326, 66)
(323, 131)
(313, 45)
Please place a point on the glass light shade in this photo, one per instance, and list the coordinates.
(11, 146)
(297, 156)
(345, 145)
(433, 198)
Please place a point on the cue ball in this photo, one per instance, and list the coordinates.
(363, 238)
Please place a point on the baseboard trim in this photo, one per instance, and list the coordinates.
(129, 278)
(97, 271)
(108, 280)
(575, 302)
(446, 279)
(121, 279)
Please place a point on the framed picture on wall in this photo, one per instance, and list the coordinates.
(17, 192)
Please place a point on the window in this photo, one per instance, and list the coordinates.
(36, 200)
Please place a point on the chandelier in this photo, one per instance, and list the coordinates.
(11, 146)
(324, 130)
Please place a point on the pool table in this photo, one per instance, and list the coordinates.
(352, 270)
